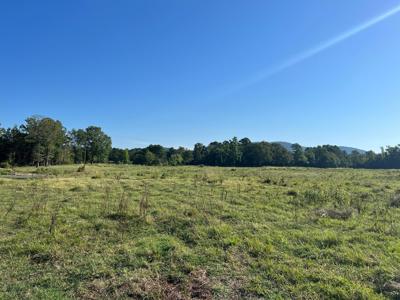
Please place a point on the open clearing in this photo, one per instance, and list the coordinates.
(200, 232)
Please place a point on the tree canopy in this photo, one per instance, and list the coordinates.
(42, 141)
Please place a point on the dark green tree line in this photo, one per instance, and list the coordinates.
(42, 141)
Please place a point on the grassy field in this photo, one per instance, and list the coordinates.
(199, 232)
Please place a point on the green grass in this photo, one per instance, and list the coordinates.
(205, 233)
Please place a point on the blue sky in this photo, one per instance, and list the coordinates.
(184, 71)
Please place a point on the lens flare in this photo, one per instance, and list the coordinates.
(265, 74)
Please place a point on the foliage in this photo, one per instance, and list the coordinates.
(43, 141)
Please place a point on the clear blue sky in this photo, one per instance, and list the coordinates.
(179, 72)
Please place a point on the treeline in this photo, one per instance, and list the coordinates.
(245, 153)
(42, 141)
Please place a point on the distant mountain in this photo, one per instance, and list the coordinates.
(351, 149)
(346, 149)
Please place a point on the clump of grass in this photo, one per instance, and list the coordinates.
(55, 215)
(123, 204)
(395, 200)
(11, 206)
(97, 176)
(106, 200)
(40, 258)
(392, 288)
(53, 222)
(335, 214)
(144, 203)
(224, 194)
(267, 180)
(118, 176)
(48, 171)
(314, 196)
(77, 188)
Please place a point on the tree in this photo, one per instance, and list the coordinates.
(116, 155)
(299, 157)
(176, 159)
(150, 158)
(234, 153)
(2, 131)
(244, 141)
(159, 154)
(91, 145)
(98, 145)
(187, 156)
(280, 156)
(199, 154)
(215, 154)
(78, 140)
(47, 137)
(13, 147)
(310, 156)
(257, 154)
(125, 159)
(326, 158)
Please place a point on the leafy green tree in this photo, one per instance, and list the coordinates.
(13, 147)
(199, 154)
(244, 141)
(159, 154)
(176, 159)
(326, 158)
(280, 155)
(257, 154)
(116, 155)
(79, 145)
(310, 156)
(126, 157)
(138, 156)
(233, 152)
(299, 157)
(215, 154)
(98, 145)
(90, 145)
(47, 137)
(150, 158)
(187, 156)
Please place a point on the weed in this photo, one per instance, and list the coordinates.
(144, 202)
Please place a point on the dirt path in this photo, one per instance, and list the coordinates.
(23, 176)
